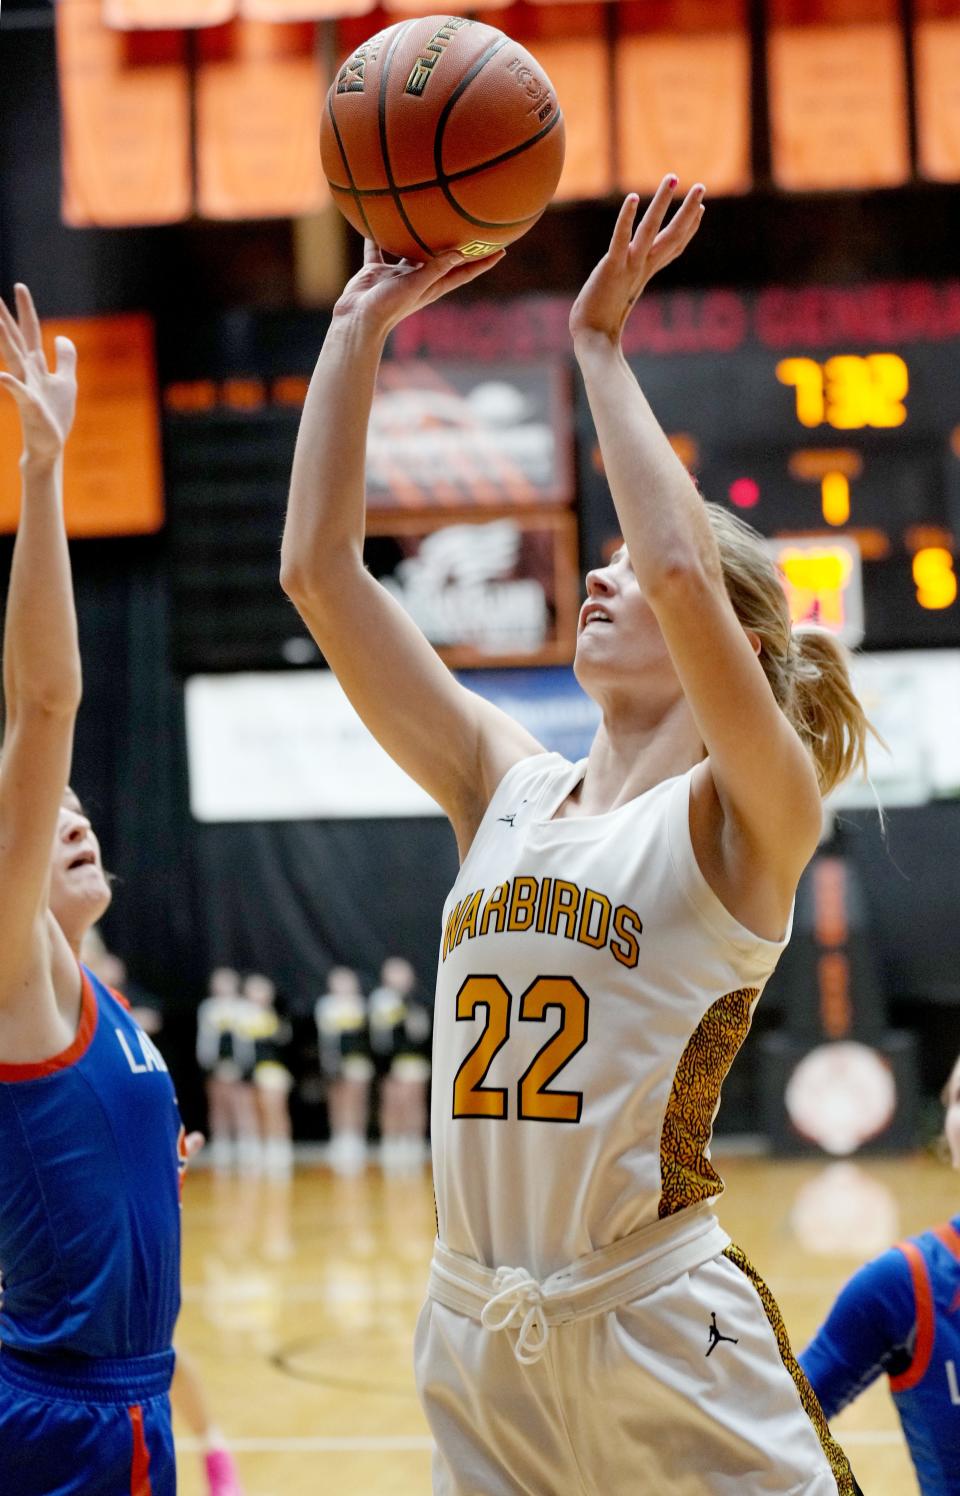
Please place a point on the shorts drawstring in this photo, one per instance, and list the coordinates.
(518, 1299)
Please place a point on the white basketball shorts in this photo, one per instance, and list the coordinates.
(687, 1387)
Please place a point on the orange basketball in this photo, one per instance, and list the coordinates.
(442, 133)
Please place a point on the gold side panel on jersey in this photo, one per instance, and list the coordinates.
(839, 1464)
(687, 1175)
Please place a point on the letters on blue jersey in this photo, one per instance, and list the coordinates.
(90, 1229)
(151, 1058)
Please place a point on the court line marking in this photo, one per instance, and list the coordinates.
(422, 1443)
(324, 1444)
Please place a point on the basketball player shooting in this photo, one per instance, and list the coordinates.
(589, 1325)
(91, 1144)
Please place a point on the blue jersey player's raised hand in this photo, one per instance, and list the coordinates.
(91, 1143)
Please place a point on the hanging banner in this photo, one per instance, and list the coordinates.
(125, 122)
(166, 15)
(112, 476)
(429, 7)
(303, 10)
(838, 98)
(683, 94)
(259, 97)
(936, 51)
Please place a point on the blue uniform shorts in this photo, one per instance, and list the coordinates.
(86, 1428)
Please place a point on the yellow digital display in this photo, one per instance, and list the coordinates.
(934, 577)
(817, 579)
(848, 392)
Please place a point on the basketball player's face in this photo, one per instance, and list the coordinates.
(618, 638)
(951, 1125)
(79, 891)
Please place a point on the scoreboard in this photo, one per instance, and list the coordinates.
(850, 443)
(827, 417)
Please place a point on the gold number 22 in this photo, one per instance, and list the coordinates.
(535, 1100)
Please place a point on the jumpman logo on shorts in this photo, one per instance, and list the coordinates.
(512, 815)
(716, 1337)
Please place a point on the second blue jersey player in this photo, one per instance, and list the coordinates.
(91, 1144)
(899, 1316)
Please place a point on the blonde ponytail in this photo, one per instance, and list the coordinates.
(806, 667)
(824, 709)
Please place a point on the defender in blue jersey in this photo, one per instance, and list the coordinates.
(900, 1316)
(90, 1137)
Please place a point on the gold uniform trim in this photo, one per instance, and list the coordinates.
(839, 1464)
(687, 1176)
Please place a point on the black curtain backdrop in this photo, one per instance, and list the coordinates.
(294, 898)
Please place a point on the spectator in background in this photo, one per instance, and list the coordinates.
(226, 1053)
(345, 1064)
(400, 1031)
(271, 1078)
(899, 1315)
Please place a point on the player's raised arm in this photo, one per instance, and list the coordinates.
(764, 777)
(454, 744)
(41, 658)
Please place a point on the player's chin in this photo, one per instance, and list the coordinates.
(588, 666)
(96, 894)
(593, 644)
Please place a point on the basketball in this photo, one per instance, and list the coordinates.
(442, 133)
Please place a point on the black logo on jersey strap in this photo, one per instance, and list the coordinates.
(716, 1337)
(511, 818)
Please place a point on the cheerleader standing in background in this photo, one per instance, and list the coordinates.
(400, 1030)
(343, 1039)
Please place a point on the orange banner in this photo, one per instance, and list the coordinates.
(304, 10)
(113, 482)
(936, 44)
(838, 102)
(684, 102)
(260, 92)
(125, 121)
(429, 7)
(166, 15)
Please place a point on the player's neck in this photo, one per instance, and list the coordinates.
(630, 755)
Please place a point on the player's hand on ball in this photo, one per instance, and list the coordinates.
(45, 399)
(634, 257)
(382, 294)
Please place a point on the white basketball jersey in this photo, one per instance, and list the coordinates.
(592, 993)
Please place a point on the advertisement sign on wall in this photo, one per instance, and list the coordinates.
(484, 590)
(289, 746)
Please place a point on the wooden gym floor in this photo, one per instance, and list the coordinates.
(300, 1301)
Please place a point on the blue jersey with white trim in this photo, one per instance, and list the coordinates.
(91, 1149)
(900, 1314)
